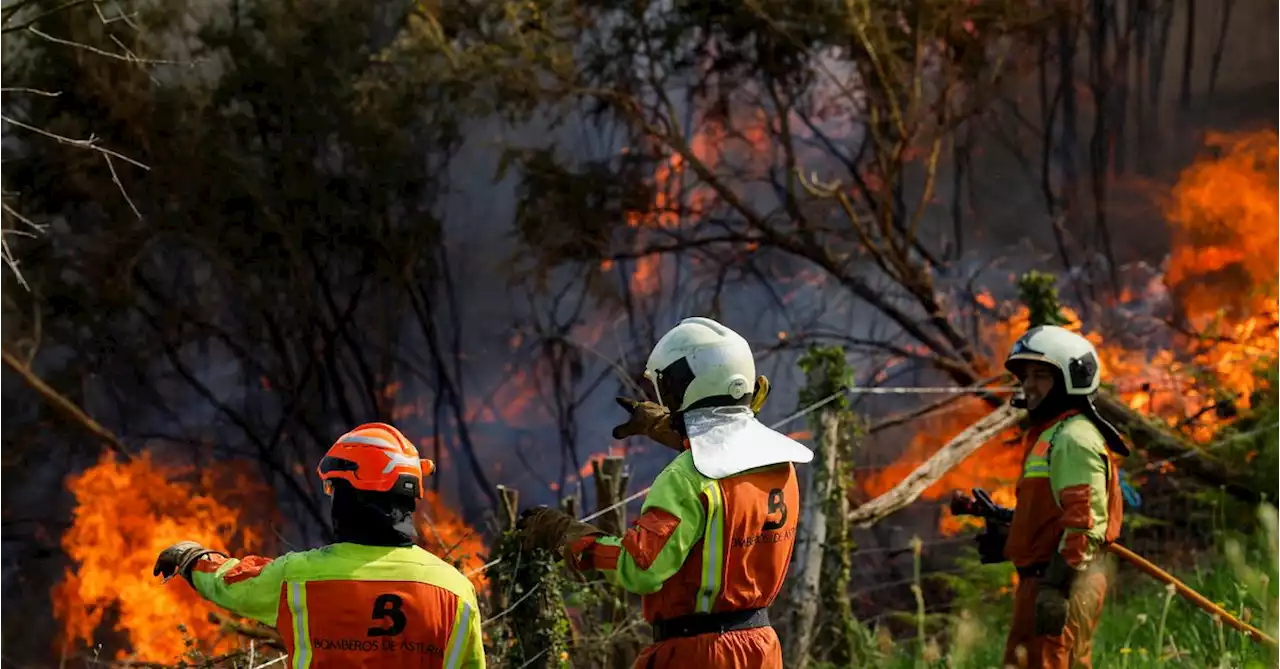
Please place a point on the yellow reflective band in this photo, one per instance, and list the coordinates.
(301, 634)
(458, 636)
(712, 550)
(1036, 468)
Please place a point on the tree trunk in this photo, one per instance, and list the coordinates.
(611, 479)
(1160, 443)
(813, 536)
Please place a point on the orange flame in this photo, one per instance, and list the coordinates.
(615, 451)
(1222, 275)
(444, 534)
(126, 514)
(677, 198)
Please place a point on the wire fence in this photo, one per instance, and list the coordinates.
(804, 411)
(894, 581)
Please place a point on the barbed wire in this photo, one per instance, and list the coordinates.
(797, 415)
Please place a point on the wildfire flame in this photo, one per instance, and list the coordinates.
(1222, 277)
(126, 513)
(447, 536)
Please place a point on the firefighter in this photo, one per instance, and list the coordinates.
(1069, 503)
(374, 598)
(711, 547)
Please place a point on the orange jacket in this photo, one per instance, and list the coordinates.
(351, 605)
(702, 545)
(1069, 497)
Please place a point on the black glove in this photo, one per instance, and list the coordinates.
(1053, 597)
(991, 542)
(180, 558)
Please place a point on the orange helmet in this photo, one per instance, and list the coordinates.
(378, 458)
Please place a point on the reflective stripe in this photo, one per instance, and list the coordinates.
(712, 550)
(1036, 467)
(458, 636)
(301, 635)
(369, 441)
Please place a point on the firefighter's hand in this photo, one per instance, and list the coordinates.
(1051, 611)
(651, 420)
(761, 393)
(552, 529)
(1053, 596)
(179, 559)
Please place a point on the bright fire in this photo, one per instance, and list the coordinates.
(126, 514)
(1222, 277)
(669, 204)
(680, 197)
(447, 536)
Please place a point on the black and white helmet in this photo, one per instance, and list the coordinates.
(1072, 354)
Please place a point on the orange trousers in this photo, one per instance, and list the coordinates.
(1073, 649)
(741, 649)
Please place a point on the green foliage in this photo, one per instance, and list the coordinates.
(826, 370)
(570, 214)
(1038, 290)
(534, 632)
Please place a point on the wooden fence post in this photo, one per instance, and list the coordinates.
(530, 628)
(826, 373)
(611, 477)
(508, 504)
(571, 506)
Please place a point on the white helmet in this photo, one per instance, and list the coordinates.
(700, 359)
(1072, 354)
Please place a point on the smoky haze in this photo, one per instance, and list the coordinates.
(1009, 230)
(511, 404)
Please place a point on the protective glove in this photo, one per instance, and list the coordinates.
(991, 542)
(1053, 597)
(651, 420)
(180, 558)
(552, 529)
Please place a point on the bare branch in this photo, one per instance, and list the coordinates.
(128, 57)
(91, 143)
(60, 402)
(953, 453)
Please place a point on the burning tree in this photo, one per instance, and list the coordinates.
(818, 140)
(867, 148)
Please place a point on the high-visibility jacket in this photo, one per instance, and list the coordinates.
(1068, 497)
(352, 605)
(1069, 502)
(703, 545)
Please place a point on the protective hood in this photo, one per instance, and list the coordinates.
(729, 440)
(372, 519)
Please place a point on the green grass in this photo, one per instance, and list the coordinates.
(1144, 624)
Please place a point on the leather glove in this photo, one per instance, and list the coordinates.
(552, 529)
(179, 559)
(991, 542)
(1053, 597)
(651, 420)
